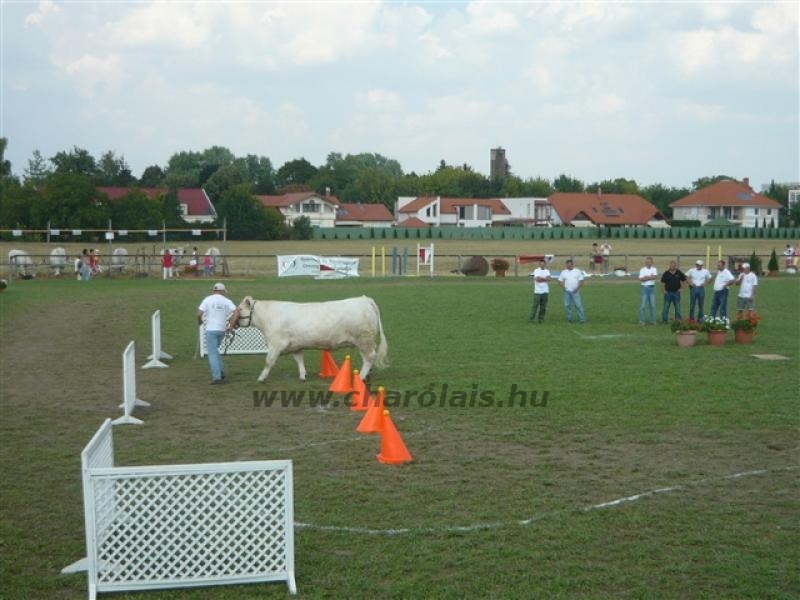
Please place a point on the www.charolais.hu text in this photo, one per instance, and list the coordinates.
(442, 398)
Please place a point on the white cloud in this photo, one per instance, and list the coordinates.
(489, 18)
(163, 24)
(44, 10)
(93, 72)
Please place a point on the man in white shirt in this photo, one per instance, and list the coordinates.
(648, 275)
(698, 277)
(541, 291)
(219, 315)
(747, 282)
(571, 280)
(722, 282)
(605, 250)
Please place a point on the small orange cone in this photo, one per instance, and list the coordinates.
(360, 398)
(393, 450)
(373, 420)
(342, 383)
(329, 368)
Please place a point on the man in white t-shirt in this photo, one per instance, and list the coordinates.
(722, 282)
(219, 315)
(747, 282)
(541, 291)
(571, 280)
(605, 251)
(648, 275)
(698, 277)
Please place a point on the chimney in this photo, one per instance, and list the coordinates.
(599, 191)
(327, 191)
(746, 182)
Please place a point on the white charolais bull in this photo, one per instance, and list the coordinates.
(291, 327)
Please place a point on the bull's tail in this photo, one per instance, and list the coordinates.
(383, 346)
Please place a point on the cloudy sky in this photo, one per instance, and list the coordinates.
(660, 92)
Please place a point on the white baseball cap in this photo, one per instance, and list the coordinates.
(698, 262)
(745, 265)
(219, 287)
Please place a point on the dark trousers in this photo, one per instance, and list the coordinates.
(720, 302)
(697, 297)
(540, 306)
(673, 298)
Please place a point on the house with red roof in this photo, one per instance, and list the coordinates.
(459, 212)
(320, 210)
(363, 215)
(604, 210)
(728, 200)
(194, 203)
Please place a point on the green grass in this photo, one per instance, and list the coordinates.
(628, 412)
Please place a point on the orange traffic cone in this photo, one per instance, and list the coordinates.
(360, 397)
(373, 420)
(342, 383)
(393, 450)
(329, 368)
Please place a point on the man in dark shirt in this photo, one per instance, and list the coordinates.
(672, 280)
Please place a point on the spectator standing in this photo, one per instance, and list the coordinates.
(647, 276)
(595, 258)
(698, 277)
(722, 282)
(219, 315)
(747, 282)
(207, 265)
(789, 254)
(166, 263)
(571, 280)
(605, 251)
(541, 291)
(672, 280)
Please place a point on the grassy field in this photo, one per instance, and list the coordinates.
(653, 470)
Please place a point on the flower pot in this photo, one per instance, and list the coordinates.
(717, 338)
(741, 336)
(685, 338)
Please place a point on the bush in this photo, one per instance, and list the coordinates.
(773, 267)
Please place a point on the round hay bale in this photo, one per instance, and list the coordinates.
(475, 265)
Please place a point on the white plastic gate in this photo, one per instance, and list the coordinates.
(155, 527)
(129, 399)
(242, 340)
(154, 360)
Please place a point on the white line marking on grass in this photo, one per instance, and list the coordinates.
(541, 516)
(603, 336)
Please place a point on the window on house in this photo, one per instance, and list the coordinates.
(755, 211)
(728, 212)
(311, 207)
(434, 210)
(484, 213)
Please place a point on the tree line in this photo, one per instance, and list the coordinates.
(63, 190)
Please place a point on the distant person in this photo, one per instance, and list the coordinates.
(605, 251)
(698, 277)
(85, 266)
(571, 280)
(207, 265)
(595, 258)
(747, 282)
(648, 275)
(541, 291)
(194, 265)
(672, 280)
(219, 315)
(722, 282)
(166, 263)
(789, 254)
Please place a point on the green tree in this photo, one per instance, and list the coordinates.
(662, 196)
(136, 210)
(77, 162)
(38, 170)
(113, 170)
(703, 182)
(372, 186)
(615, 186)
(259, 172)
(244, 216)
(295, 171)
(566, 184)
(152, 176)
(70, 201)
(222, 180)
(302, 229)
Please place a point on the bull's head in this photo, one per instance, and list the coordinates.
(245, 311)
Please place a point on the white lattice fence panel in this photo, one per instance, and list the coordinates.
(243, 340)
(194, 525)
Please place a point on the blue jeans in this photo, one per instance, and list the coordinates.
(571, 298)
(671, 298)
(213, 342)
(720, 302)
(648, 299)
(697, 297)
